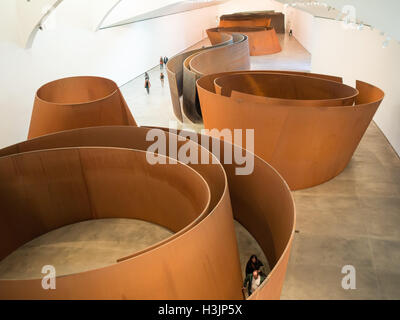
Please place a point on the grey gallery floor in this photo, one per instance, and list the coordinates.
(350, 220)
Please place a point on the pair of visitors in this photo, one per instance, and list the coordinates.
(254, 274)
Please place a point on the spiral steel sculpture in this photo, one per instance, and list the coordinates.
(307, 126)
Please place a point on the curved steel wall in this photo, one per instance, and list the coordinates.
(78, 102)
(260, 201)
(254, 19)
(184, 69)
(305, 125)
(175, 73)
(262, 41)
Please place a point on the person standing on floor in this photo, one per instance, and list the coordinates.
(254, 264)
(162, 79)
(161, 63)
(147, 85)
(253, 281)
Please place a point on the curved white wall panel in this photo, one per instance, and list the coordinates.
(30, 15)
(126, 9)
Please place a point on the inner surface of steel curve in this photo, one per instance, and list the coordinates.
(229, 52)
(307, 126)
(262, 40)
(35, 201)
(78, 102)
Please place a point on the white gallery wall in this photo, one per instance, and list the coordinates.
(360, 55)
(302, 25)
(70, 46)
(249, 5)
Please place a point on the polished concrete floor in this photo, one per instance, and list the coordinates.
(155, 109)
(94, 244)
(353, 219)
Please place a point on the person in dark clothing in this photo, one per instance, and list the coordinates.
(254, 265)
(165, 60)
(146, 76)
(162, 79)
(161, 62)
(147, 85)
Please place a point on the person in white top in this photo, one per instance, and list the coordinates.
(253, 281)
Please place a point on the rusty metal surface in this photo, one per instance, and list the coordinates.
(254, 19)
(78, 102)
(93, 157)
(175, 73)
(262, 40)
(230, 57)
(305, 126)
(229, 52)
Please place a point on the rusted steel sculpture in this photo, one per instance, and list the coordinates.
(229, 53)
(46, 182)
(307, 126)
(78, 102)
(262, 40)
(254, 19)
(175, 73)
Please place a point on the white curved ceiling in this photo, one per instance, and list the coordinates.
(380, 14)
(31, 14)
(126, 12)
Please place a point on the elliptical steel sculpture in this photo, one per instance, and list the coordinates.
(254, 19)
(307, 126)
(103, 172)
(78, 102)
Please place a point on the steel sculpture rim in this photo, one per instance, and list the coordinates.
(203, 214)
(113, 83)
(236, 74)
(329, 131)
(35, 143)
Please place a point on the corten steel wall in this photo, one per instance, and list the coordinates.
(231, 54)
(255, 19)
(78, 102)
(247, 22)
(305, 125)
(262, 41)
(261, 201)
(175, 74)
(224, 58)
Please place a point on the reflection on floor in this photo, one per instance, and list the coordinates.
(95, 244)
(353, 219)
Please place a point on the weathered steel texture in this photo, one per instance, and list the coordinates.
(175, 73)
(254, 19)
(261, 201)
(232, 53)
(262, 40)
(305, 126)
(230, 57)
(78, 102)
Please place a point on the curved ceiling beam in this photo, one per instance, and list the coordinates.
(121, 10)
(31, 14)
